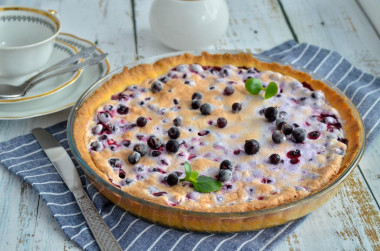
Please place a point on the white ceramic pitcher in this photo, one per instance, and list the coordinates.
(188, 24)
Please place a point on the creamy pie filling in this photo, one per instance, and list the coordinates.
(205, 142)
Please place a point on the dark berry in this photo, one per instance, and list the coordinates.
(165, 79)
(271, 113)
(274, 158)
(158, 194)
(120, 96)
(172, 146)
(195, 103)
(134, 157)
(317, 95)
(172, 179)
(221, 122)
(96, 146)
(156, 86)
(279, 123)
(154, 142)
(236, 107)
(126, 143)
(313, 135)
(189, 82)
(141, 121)
(294, 154)
(103, 137)
(206, 109)
(229, 90)
(307, 85)
(226, 164)
(226, 72)
(122, 109)
(203, 133)
(287, 128)
(343, 140)
(299, 135)
(224, 175)
(214, 70)
(251, 146)
(278, 137)
(114, 162)
(197, 95)
(155, 153)
(303, 99)
(108, 108)
(174, 133)
(128, 181)
(141, 149)
(177, 121)
(113, 128)
(121, 174)
(294, 161)
(266, 180)
(139, 168)
(104, 117)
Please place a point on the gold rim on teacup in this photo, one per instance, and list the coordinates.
(27, 41)
(51, 14)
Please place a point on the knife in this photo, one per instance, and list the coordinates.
(66, 169)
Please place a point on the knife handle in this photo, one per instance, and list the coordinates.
(99, 229)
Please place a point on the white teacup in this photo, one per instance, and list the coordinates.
(188, 24)
(26, 39)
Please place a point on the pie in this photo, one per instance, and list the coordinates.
(139, 129)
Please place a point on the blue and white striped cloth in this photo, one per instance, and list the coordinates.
(24, 157)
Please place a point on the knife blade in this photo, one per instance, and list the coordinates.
(66, 169)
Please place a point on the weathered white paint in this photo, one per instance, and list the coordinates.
(349, 221)
(348, 31)
(371, 7)
(26, 222)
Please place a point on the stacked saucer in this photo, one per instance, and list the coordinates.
(57, 93)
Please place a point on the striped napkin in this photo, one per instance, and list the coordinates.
(24, 157)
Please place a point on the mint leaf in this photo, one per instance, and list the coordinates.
(193, 177)
(271, 90)
(201, 184)
(187, 170)
(207, 184)
(253, 85)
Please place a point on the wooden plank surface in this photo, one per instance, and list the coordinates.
(349, 221)
(26, 222)
(354, 212)
(348, 32)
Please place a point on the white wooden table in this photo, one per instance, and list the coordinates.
(349, 221)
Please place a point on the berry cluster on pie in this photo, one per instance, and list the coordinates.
(147, 127)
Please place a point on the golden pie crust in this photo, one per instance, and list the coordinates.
(144, 73)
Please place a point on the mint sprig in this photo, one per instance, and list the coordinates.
(201, 184)
(254, 86)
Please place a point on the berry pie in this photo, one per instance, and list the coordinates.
(217, 133)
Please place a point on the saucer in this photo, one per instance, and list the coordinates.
(64, 98)
(61, 50)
